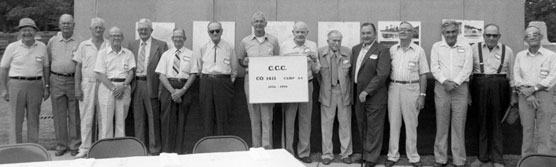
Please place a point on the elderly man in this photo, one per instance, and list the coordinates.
(62, 87)
(177, 95)
(300, 46)
(491, 93)
(86, 84)
(145, 86)
(406, 94)
(370, 69)
(534, 73)
(451, 65)
(259, 43)
(215, 62)
(335, 94)
(114, 69)
(26, 63)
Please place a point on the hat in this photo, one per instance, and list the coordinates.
(27, 22)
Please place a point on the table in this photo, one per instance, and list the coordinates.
(259, 158)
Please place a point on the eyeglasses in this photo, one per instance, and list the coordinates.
(215, 31)
(451, 32)
(533, 35)
(492, 35)
(116, 35)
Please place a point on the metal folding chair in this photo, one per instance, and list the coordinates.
(537, 160)
(24, 152)
(117, 147)
(220, 144)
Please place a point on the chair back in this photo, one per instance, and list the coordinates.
(220, 144)
(117, 147)
(24, 152)
(537, 160)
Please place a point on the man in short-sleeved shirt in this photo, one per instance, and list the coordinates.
(114, 69)
(25, 62)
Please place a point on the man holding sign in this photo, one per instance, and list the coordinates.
(300, 45)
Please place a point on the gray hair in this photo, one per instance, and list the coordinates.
(97, 20)
(334, 32)
(258, 13)
(450, 23)
(146, 22)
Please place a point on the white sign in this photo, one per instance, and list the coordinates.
(471, 31)
(350, 33)
(201, 36)
(278, 79)
(282, 30)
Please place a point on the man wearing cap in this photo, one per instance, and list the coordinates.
(145, 86)
(25, 62)
(114, 68)
(62, 87)
(216, 63)
(177, 96)
(299, 45)
(259, 43)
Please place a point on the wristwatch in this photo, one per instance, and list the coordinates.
(422, 94)
(536, 89)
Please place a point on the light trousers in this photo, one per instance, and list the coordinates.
(25, 103)
(87, 112)
(402, 106)
(111, 108)
(261, 120)
(451, 112)
(328, 113)
(536, 120)
(290, 111)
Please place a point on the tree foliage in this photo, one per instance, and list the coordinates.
(542, 10)
(44, 12)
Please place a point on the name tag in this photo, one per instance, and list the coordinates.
(39, 58)
(461, 50)
(186, 58)
(411, 64)
(544, 72)
(226, 61)
(373, 56)
(346, 61)
(126, 67)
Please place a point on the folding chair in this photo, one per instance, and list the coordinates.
(220, 144)
(117, 147)
(537, 160)
(24, 152)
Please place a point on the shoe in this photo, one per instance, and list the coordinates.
(498, 165)
(370, 164)
(416, 164)
(60, 152)
(476, 163)
(346, 160)
(81, 155)
(73, 152)
(389, 163)
(436, 164)
(326, 161)
(306, 160)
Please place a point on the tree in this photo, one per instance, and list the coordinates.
(44, 12)
(542, 10)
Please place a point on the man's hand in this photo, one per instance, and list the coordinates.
(532, 100)
(420, 102)
(449, 85)
(527, 91)
(78, 94)
(514, 99)
(5, 95)
(119, 91)
(45, 94)
(363, 96)
(245, 60)
(312, 56)
(178, 94)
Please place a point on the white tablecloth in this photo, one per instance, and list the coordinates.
(260, 158)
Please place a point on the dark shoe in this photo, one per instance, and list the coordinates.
(370, 164)
(73, 152)
(60, 152)
(389, 163)
(346, 160)
(436, 164)
(326, 161)
(416, 164)
(306, 160)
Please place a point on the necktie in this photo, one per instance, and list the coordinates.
(215, 53)
(141, 58)
(176, 66)
(334, 64)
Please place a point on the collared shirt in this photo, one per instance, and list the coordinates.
(409, 64)
(23, 60)
(166, 63)
(360, 57)
(148, 44)
(60, 54)
(115, 64)
(204, 59)
(531, 69)
(86, 54)
(491, 60)
(251, 47)
(451, 63)
(289, 47)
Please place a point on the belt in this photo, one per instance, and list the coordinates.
(489, 75)
(177, 79)
(216, 75)
(117, 79)
(405, 82)
(26, 78)
(143, 78)
(63, 74)
(310, 80)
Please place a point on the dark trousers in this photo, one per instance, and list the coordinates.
(173, 118)
(215, 95)
(490, 98)
(370, 122)
(146, 115)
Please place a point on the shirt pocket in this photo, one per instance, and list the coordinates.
(544, 71)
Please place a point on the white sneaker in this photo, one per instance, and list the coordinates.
(81, 155)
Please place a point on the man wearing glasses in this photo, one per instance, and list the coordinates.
(406, 94)
(534, 73)
(216, 64)
(451, 65)
(114, 68)
(491, 93)
(145, 86)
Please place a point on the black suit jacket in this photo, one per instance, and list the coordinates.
(373, 73)
(157, 48)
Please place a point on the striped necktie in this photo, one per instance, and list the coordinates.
(141, 58)
(176, 66)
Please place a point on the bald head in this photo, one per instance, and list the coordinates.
(300, 32)
(66, 25)
(144, 29)
(533, 36)
(116, 38)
